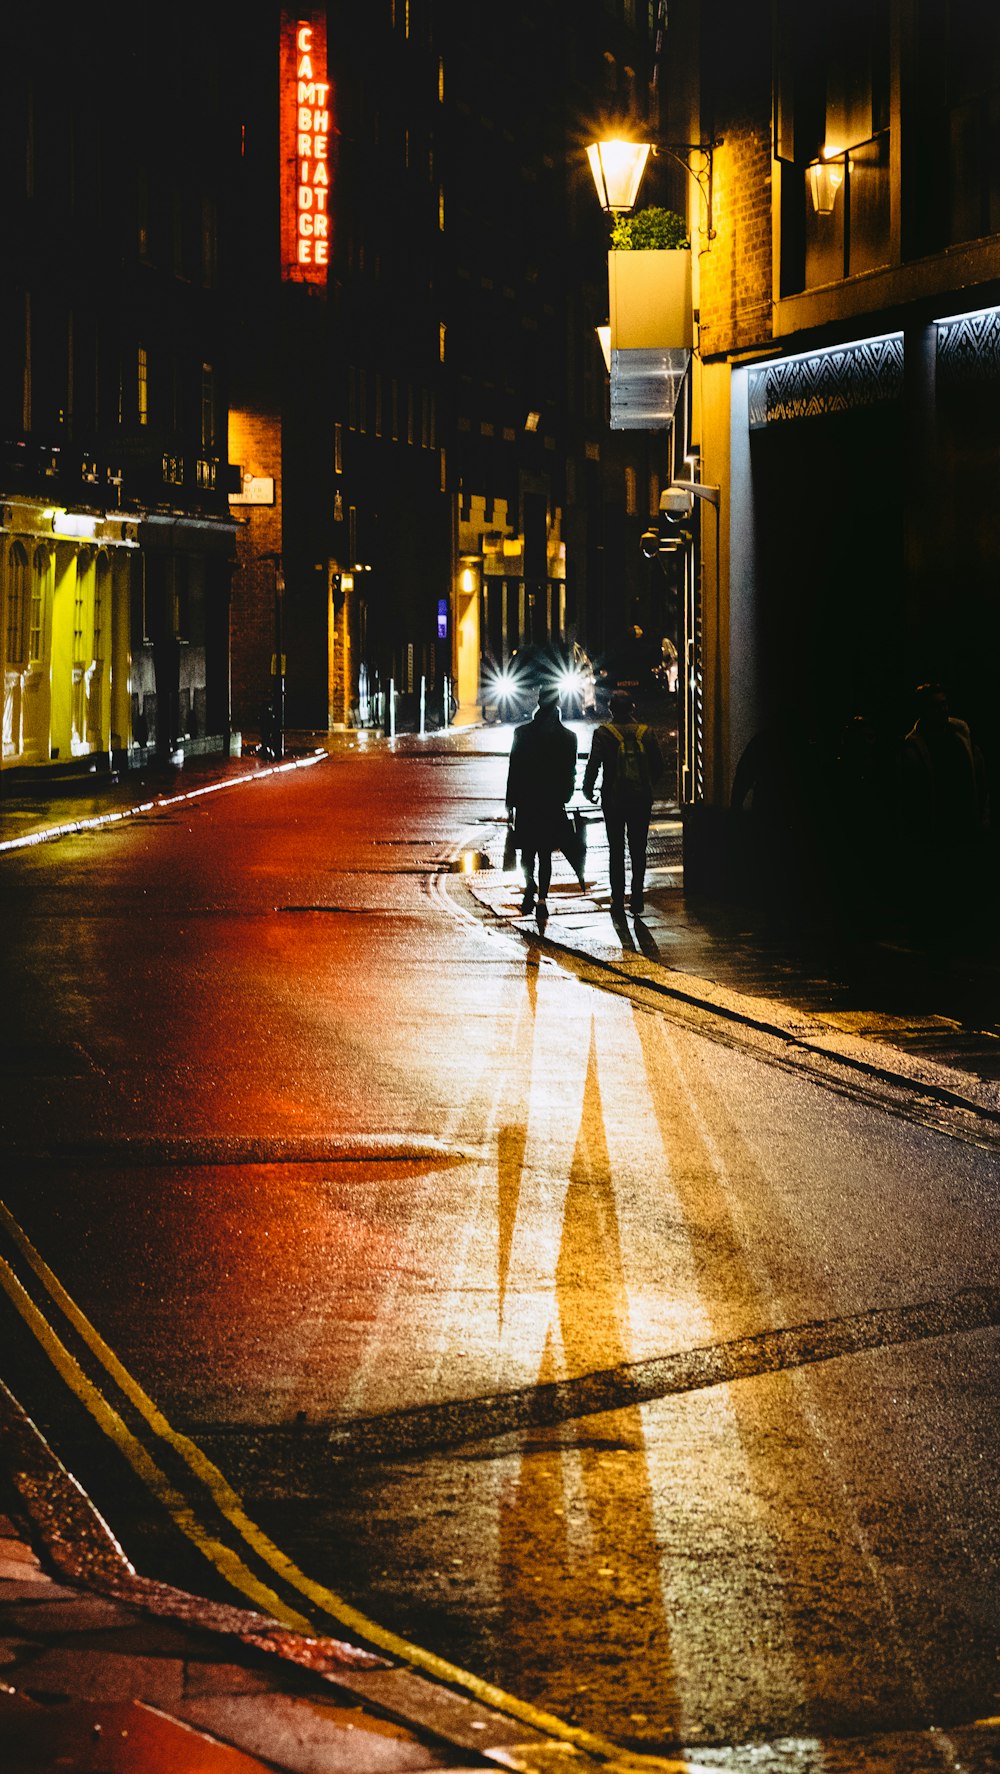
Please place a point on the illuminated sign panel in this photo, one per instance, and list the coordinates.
(306, 133)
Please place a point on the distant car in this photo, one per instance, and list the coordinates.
(510, 692)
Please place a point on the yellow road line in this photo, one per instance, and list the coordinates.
(231, 1507)
(156, 1481)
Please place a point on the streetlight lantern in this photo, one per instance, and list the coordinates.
(825, 180)
(618, 167)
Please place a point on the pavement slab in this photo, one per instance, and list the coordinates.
(124, 1738)
(309, 1736)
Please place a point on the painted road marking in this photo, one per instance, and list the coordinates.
(102, 819)
(229, 1565)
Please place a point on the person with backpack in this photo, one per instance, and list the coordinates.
(625, 753)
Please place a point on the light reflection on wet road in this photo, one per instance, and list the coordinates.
(803, 1552)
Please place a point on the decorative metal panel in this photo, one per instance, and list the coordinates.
(865, 374)
(968, 349)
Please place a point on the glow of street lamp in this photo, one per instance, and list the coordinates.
(618, 167)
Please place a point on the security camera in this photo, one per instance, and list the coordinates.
(676, 503)
(649, 542)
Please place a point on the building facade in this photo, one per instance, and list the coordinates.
(843, 387)
(115, 537)
(427, 415)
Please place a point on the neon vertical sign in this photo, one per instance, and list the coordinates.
(306, 133)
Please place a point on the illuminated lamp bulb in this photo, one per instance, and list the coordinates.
(618, 168)
(825, 180)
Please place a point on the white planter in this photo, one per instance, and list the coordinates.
(649, 300)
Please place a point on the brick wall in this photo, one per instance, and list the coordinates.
(736, 269)
(736, 72)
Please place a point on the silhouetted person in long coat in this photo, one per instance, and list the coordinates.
(540, 780)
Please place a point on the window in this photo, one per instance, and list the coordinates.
(18, 575)
(142, 380)
(951, 154)
(207, 407)
(209, 242)
(101, 579)
(36, 617)
(442, 333)
(831, 116)
(182, 597)
(338, 448)
(80, 654)
(142, 215)
(177, 234)
(631, 492)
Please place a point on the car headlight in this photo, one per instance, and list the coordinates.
(570, 683)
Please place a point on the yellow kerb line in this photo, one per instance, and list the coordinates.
(231, 1508)
(107, 1419)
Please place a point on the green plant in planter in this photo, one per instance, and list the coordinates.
(649, 230)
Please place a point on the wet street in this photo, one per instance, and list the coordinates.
(367, 1261)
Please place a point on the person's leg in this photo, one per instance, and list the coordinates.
(528, 864)
(637, 821)
(544, 873)
(614, 825)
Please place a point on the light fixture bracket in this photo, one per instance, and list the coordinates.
(697, 159)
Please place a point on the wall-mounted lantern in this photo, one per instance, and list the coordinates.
(825, 180)
(618, 167)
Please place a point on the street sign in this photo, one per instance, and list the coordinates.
(256, 489)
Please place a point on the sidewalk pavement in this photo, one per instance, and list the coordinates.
(105, 1672)
(102, 1670)
(928, 1021)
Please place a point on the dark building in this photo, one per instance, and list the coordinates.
(844, 381)
(428, 417)
(115, 538)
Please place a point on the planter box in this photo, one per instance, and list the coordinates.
(649, 300)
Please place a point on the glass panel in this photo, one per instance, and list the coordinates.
(868, 176)
(824, 240)
(993, 164)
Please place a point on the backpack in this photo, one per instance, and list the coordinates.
(632, 773)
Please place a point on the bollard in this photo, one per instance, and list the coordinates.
(392, 708)
(423, 706)
(446, 703)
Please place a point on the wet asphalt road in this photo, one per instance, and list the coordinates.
(309, 1144)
